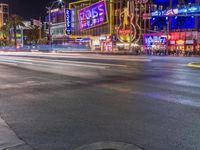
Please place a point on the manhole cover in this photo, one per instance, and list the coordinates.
(108, 149)
(109, 146)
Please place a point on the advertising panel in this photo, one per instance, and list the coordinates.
(93, 15)
(153, 39)
(68, 18)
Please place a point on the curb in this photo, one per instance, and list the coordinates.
(20, 147)
(109, 146)
(9, 140)
(193, 65)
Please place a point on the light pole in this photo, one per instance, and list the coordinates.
(131, 13)
(49, 16)
(22, 36)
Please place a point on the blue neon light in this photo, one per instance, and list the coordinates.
(160, 1)
(183, 22)
(177, 11)
(199, 21)
(68, 16)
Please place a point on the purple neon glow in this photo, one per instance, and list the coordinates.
(93, 15)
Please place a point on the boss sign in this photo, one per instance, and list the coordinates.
(93, 15)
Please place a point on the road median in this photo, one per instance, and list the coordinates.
(194, 64)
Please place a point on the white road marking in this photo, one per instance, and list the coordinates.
(86, 56)
(30, 61)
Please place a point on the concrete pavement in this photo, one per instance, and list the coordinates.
(9, 140)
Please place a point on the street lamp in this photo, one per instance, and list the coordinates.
(49, 13)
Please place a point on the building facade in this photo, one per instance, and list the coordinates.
(108, 25)
(4, 13)
(57, 29)
(174, 25)
(57, 26)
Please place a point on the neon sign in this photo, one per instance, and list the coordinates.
(150, 40)
(176, 11)
(171, 12)
(180, 42)
(124, 32)
(93, 15)
(68, 14)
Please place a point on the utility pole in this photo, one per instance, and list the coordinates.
(22, 36)
(130, 21)
(49, 20)
(40, 30)
(168, 40)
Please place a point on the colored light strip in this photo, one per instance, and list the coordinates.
(177, 11)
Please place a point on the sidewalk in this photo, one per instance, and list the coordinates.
(9, 140)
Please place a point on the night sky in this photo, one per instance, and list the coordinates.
(28, 8)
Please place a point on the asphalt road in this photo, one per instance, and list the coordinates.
(62, 102)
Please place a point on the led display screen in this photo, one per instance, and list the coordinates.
(93, 15)
(160, 1)
(151, 40)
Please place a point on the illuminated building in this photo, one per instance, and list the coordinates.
(107, 25)
(57, 26)
(93, 28)
(4, 13)
(179, 21)
(104, 25)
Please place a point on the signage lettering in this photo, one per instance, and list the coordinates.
(68, 14)
(93, 15)
(155, 40)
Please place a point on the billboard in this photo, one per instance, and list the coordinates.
(68, 18)
(93, 15)
(154, 39)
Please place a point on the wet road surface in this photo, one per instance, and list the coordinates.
(62, 103)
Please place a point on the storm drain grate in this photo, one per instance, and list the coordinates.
(109, 146)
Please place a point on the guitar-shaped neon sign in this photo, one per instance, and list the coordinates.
(126, 31)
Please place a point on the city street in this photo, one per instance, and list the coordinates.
(54, 101)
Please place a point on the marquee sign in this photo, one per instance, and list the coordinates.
(68, 18)
(141, 1)
(93, 15)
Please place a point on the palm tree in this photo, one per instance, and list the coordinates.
(32, 34)
(15, 21)
(4, 33)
